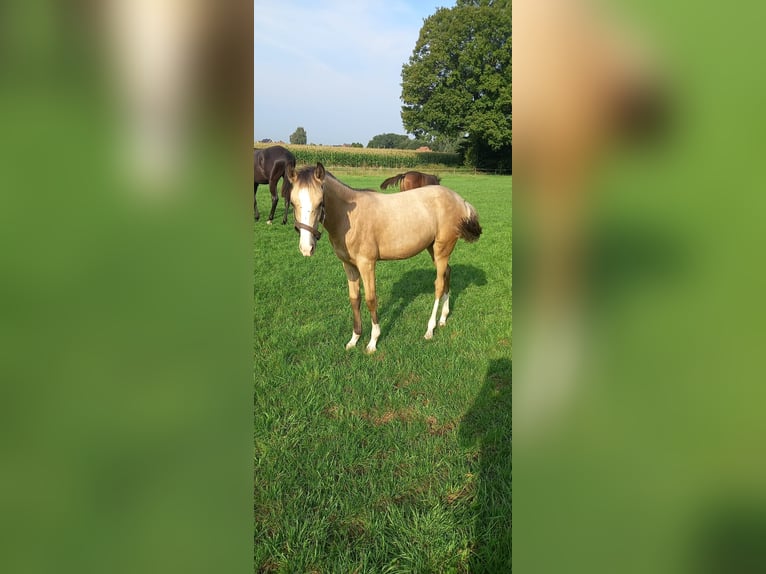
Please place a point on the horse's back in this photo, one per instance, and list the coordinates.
(265, 159)
(405, 224)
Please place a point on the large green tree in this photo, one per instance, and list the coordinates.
(457, 82)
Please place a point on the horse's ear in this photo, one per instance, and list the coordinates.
(291, 173)
(319, 171)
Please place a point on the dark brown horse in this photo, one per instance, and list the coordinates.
(269, 165)
(411, 180)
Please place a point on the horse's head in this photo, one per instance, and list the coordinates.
(307, 197)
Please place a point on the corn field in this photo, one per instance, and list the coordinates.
(364, 157)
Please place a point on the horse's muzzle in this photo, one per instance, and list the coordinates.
(307, 252)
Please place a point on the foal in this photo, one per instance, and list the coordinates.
(367, 227)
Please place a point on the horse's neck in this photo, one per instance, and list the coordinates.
(339, 190)
(340, 201)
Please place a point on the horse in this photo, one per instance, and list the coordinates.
(269, 165)
(364, 228)
(411, 180)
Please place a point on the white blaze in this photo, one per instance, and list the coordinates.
(306, 243)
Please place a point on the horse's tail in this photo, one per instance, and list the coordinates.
(287, 185)
(392, 181)
(469, 227)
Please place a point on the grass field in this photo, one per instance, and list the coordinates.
(399, 461)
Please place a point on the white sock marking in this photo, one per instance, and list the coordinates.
(352, 342)
(372, 345)
(432, 321)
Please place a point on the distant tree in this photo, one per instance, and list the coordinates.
(457, 83)
(298, 137)
(356, 144)
(389, 141)
(442, 143)
(396, 141)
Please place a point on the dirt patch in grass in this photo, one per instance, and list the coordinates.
(464, 492)
(406, 415)
(437, 429)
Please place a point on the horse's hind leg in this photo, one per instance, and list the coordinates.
(276, 172)
(286, 190)
(255, 202)
(274, 200)
(367, 270)
(441, 288)
(445, 297)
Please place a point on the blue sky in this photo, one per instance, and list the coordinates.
(333, 66)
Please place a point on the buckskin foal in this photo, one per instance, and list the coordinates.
(367, 227)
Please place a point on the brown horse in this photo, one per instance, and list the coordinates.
(367, 227)
(411, 180)
(268, 166)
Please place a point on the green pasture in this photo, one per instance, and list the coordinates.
(398, 461)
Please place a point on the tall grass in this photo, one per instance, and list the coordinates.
(399, 461)
(364, 157)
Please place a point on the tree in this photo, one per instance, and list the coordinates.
(457, 83)
(298, 137)
(389, 141)
(395, 141)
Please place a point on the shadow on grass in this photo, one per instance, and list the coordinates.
(729, 535)
(419, 281)
(486, 431)
(631, 256)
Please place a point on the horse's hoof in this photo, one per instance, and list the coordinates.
(350, 346)
(370, 350)
(429, 335)
(269, 222)
(442, 322)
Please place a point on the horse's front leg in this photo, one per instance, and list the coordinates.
(367, 270)
(352, 273)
